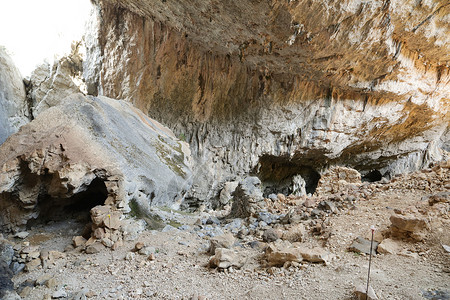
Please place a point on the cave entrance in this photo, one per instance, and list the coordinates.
(286, 176)
(372, 176)
(76, 207)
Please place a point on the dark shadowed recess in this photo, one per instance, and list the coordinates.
(372, 176)
(76, 207)
(276, 173)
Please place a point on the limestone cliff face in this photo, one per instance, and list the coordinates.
(281, 88)
(13, 103)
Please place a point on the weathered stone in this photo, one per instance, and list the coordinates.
(360, 293)
(443, 197)
(147, 250)
(100, 213)
(271, 235)
(295, 233)
(361, 245)
(22, 234)
(33, 264)
(377, 236)
(52, 82)
(29, 249)
(315, 255)
(54, 255)
(107, 242)
(117, 245)
(43, 279)
(225, 258)
(17, 267)
(131, 228)
(221, 241)
(94, 248)
(138, 246)
(26, 291)
(6, 284)
(227, 191)
(388, 246)
(78, 241)
(278, 254)
(337, 179)
(99, 233)
(13, 104)
(247, 198)
(82, 142)
(408, 226)
(90, 241)
(289, 107)
(310, 203)
(59, 294)
(298, 186)
(6, 252)
(33, 255)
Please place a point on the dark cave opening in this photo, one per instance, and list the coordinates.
(77, 207)
(278, 173)
(372, 176)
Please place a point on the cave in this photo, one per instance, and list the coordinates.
(372, 176)
(77, 207)
(277, 174)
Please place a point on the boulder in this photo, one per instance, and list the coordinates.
(408, 226)
(361, 245)
(225, 258)
(93, 145)
(6, 252)
(94, 248)
(298, 186)
(221, 241)
(315, 255)
(247, 198)
(271, 235)
(13, 103)
(277, 254)
(78, 241)
(227, 191)
(388, 246)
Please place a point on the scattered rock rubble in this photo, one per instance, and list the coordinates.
(280, 235)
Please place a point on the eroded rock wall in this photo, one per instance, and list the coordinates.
(254, 85)
(14, 111)
(90, 151)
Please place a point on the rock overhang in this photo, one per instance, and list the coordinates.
(82, 141)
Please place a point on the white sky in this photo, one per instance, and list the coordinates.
(35, 30)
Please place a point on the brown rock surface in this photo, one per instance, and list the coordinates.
(408, 225)
(283, 86)
(279, 253)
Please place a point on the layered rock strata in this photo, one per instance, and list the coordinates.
(282, 88)
(90, 151)
(14, 110)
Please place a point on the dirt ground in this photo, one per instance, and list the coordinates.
(420, 270)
